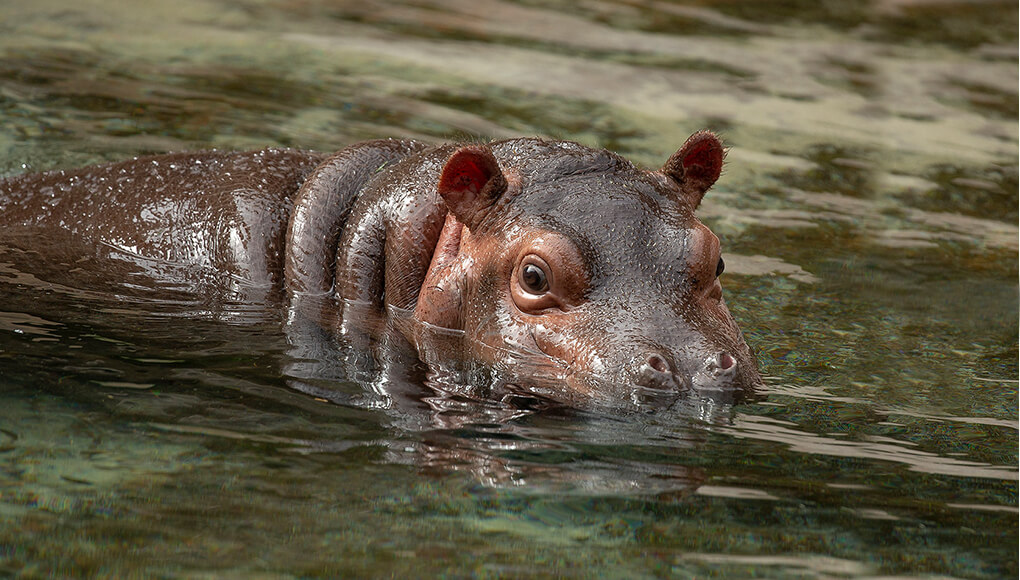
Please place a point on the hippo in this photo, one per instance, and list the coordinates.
(565, 267)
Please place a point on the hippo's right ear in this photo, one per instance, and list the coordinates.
(470, 183)
(696, 165)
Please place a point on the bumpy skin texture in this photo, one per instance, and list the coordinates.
(565, 268)
(223, 212)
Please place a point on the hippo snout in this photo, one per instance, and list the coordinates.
(719, 371)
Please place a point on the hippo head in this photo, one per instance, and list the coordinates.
(574, 268)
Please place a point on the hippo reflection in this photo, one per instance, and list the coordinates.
(565, 267)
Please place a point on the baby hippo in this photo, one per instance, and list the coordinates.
(562, 266)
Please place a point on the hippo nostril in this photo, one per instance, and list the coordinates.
(658, 363)
(657, 373)
(725, 361)
(720, 364)
(720, 371)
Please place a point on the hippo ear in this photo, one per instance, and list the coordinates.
(470, 183)
(696, 165)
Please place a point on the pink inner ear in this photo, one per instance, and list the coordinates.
(470, 183)
(704, 160)
(465, 171)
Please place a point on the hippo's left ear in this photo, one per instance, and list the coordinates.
(470, 183)
(696, 165)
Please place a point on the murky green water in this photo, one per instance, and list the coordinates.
(869, 221)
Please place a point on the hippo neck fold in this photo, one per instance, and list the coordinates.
(323, 205)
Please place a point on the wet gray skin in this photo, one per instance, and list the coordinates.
(222, 215)
(576, 276)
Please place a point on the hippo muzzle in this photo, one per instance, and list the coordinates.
(651, 355)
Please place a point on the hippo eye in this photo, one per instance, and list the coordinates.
(719, 269)
(534, 279)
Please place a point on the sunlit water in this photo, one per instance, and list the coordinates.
(869, 220)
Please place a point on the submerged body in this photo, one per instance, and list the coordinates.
(567, 269)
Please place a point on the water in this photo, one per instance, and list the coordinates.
(869, 219)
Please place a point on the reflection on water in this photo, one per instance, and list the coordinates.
(868, 215)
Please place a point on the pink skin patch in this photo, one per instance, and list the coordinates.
(439, 300)
(449, 243)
